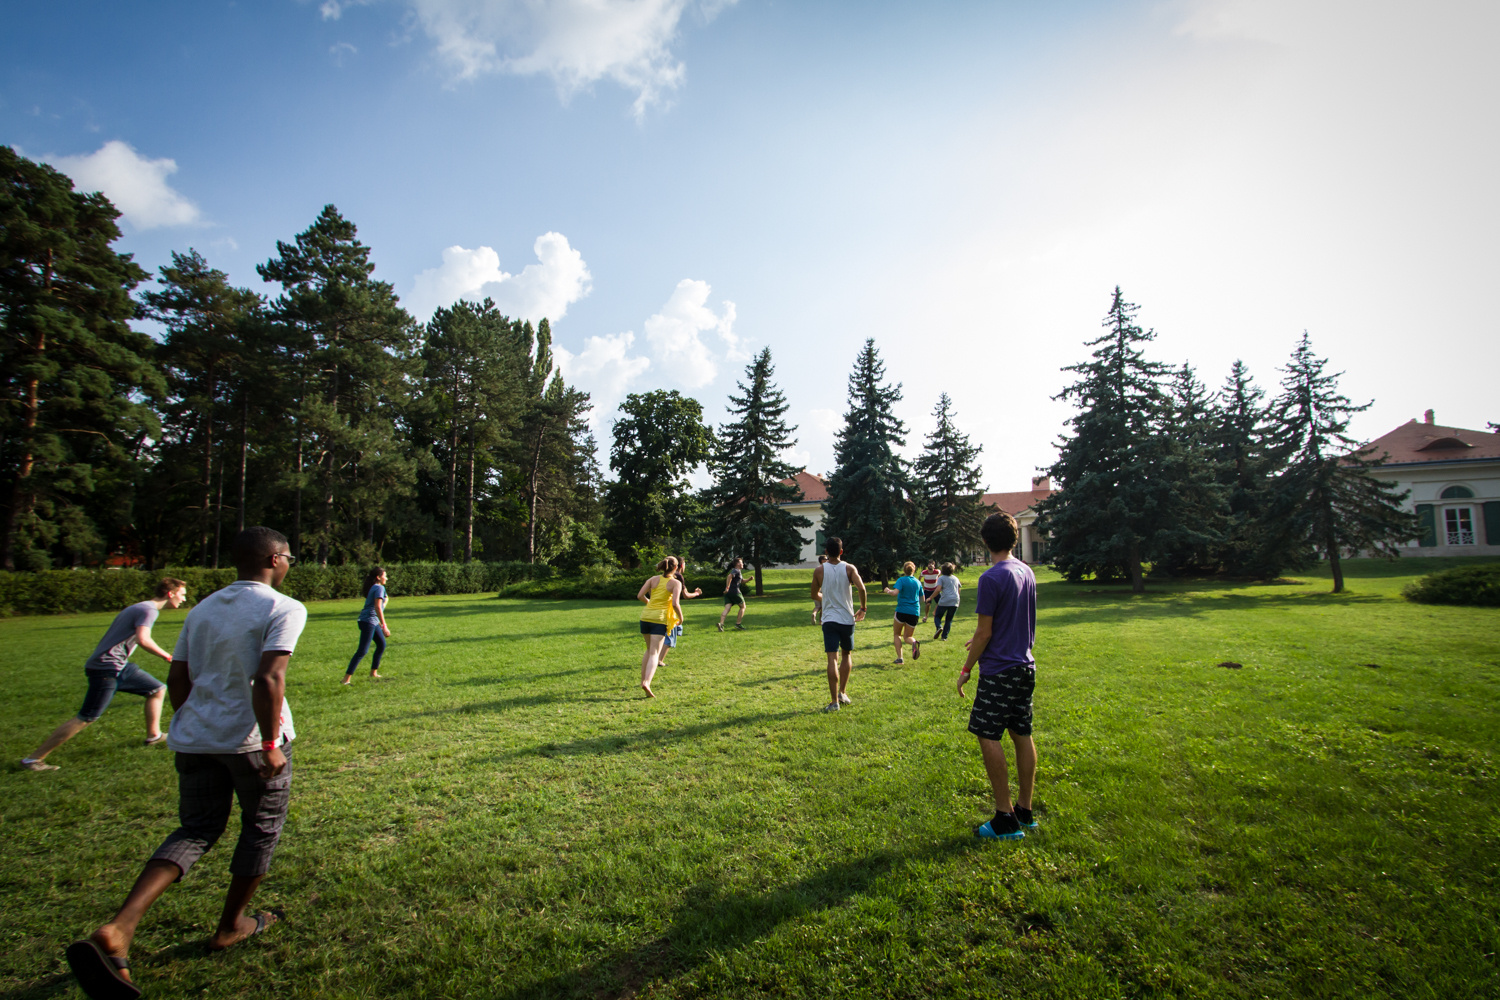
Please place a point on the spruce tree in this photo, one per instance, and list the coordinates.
(1328, 499)
(1246, 464)
(872, 503)
(1195, 507)
(745, 515)
(76, 382)
(1112, 503)
(948, 480)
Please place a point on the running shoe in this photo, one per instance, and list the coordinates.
(898, 660)
(832, 706)
(843, 698)
(720, 626)
(37, 765)
(916, 650)
(738, 626)
(1009, 829)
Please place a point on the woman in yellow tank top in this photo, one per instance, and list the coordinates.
(662, 595)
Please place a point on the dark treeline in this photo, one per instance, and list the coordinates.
(326, 410)
(1160, 475)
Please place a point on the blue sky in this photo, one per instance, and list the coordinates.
(679, 183)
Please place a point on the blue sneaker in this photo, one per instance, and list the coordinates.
(986, 830)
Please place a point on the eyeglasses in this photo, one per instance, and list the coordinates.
(291, 560)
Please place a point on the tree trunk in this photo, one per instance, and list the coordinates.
(21, 498)
(219, 512)
(208, 464)
(244, 452)
(297, 499)
(536, 471)
(452, 492)
(1137, 575)
(469, 512)
(1331, 545)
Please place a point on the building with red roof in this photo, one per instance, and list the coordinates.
(1453, 474)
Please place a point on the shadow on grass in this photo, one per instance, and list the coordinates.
(626, 742)
(1061, 607)
(502, 705)
(712, 922)
(52, 986)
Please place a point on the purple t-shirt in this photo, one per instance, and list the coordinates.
(1007, 593)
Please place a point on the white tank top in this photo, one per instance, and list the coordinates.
(838, 604)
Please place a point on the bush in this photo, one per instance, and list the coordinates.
(75, 591)
(1478, 585)
(574, 589)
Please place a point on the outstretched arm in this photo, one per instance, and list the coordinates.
(144, 640)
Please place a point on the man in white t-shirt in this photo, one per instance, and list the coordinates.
(231, 730)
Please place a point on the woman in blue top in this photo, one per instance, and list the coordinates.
(371, 625)
(908, 591)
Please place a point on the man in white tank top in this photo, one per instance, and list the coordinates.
(833, 585)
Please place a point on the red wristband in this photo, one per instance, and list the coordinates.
(267, 745)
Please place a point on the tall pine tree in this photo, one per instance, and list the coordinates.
(1246, 465)
(745, 516)
(1112, 505)
(872, 503)
(1328, 500)
(1196, 514)
(948, 480)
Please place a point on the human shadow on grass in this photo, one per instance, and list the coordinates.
(1078, 609)
(711, 921)
(52, 986)
(502, 705)
(627, 742)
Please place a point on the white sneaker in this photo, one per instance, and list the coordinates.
(37, 765)
(832, 706)
(843, 698)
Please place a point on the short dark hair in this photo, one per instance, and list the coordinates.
(1000, 532)
(833, 545)
(822, 559)
(254, 544)
(948, 569)
(167, 585)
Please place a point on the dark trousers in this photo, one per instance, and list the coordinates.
(207, 785)
(367, 632)
(942, 617)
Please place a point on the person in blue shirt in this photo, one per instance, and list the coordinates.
(908, 592)
(372, 625)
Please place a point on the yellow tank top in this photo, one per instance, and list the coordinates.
(659, 607)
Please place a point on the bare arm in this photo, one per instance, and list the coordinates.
(677, 598)
(266, 697)
(380, 613)
(179, 684)
(864, 597)
(144, 640)
(817, 584)
(983, 629)
(644, 596)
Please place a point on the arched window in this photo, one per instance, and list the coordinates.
(1457, 493)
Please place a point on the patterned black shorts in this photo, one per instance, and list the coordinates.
(1003, 701)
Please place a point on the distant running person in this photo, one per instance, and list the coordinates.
(109, 670)
(833, 584)
(908, 591)
(946, 599)
(929, 585)
(372, 625)
(734, 594)
(662, 595)
(676, 633)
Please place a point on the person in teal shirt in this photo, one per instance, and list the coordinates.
(908, 593)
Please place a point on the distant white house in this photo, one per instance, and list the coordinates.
(1454, 477)
(1019, 505)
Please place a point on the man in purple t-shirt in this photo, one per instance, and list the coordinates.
(1007, 676)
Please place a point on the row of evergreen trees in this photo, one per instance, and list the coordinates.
(1158, 472)
(326, 410)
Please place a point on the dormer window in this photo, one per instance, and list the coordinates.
(1446, 444)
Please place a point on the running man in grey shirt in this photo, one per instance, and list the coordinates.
(109, 670)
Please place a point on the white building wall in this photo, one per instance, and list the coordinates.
(1427, 483)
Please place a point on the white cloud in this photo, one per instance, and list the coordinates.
(137, 186)
(332, 10)
(604, 369)
(544, 289)
(674, 337)
(340, 51)
(575, 42)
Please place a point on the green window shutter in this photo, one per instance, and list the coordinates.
(1492, 522)
(1428, 522)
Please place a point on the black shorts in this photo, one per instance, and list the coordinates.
(905, 619)
(653, 628)
(838, 636)
(1003, 701)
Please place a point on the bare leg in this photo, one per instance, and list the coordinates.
(114, 937)
(896, 638)
(844, 674)
(833, 678)
(1025, 768)
(61, 735)
(234, 926)
(153, 713)
(722, 615)
(993, 752)
(740, 618)
(648, 662)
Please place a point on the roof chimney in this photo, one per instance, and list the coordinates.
(1427, 417)
(1041, 482)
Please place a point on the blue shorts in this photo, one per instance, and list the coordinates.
(102, 687)
(837, 636)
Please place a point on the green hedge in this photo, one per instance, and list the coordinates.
(1478, 585)
(574, 589)
(68, 591)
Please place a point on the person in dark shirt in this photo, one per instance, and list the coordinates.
(734, 594)
(1002, 643)
(109, 670)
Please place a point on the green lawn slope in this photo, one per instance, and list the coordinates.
(507, 817)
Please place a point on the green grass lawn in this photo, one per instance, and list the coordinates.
(508, 817)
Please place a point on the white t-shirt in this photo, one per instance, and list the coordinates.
(838, 601)
(221, 643)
